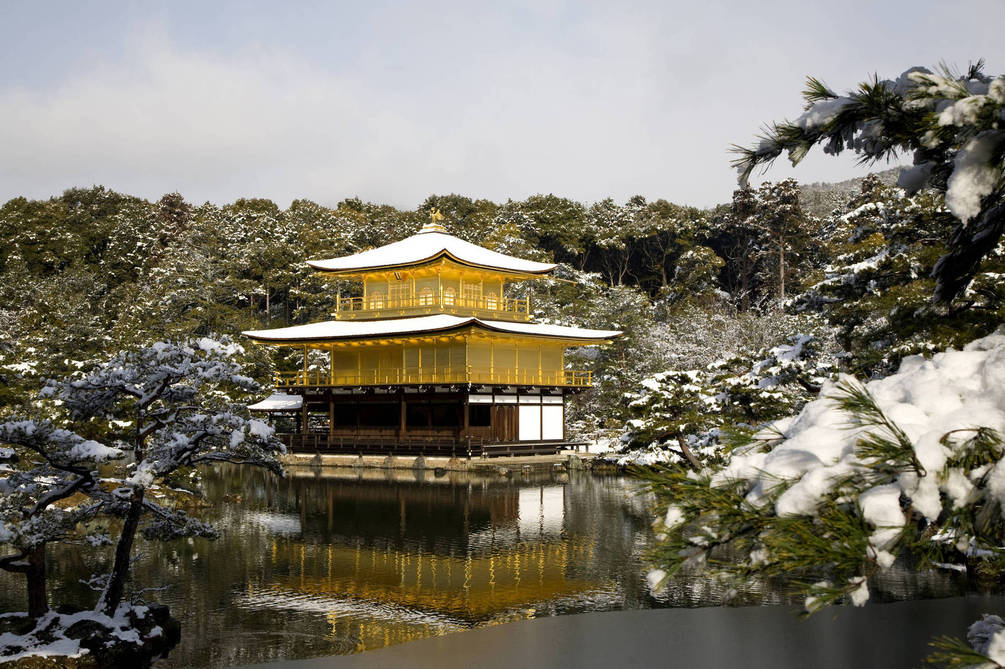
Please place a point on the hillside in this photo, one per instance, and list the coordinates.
(820, 198)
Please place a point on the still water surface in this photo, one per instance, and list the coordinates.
(331, 561)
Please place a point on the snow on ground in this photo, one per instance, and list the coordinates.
(604, 443)
(49, 639)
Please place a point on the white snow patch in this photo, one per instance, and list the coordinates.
(92, 450)
(860, 595)
(675, 516)
(974, 175)
(655, 579)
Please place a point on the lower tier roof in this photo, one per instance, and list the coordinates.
(437, 323)
(278, 402)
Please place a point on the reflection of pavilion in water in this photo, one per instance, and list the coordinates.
(388, 562)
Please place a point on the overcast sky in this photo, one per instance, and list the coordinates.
(393, 101)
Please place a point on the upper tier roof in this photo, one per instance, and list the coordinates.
(391, 327)
(429, 244)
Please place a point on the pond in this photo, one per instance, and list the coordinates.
(331, 561)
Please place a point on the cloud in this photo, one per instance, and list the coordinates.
(583, 101)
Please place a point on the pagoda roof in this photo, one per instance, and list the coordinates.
(420, 325)
(430, 244)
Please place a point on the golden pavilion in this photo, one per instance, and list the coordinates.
(433, 357)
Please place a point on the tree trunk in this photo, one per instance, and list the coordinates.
(693, 461)
(112, 595)
(38, 603)
(781, 273)
(268, 309)
(744, 287)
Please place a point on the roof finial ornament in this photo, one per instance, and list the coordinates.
(434, 224)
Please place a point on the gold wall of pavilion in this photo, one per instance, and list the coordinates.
(445, 359)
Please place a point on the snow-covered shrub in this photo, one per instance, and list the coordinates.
(910, 465)
(680, 416)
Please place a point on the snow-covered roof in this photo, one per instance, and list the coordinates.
(278, 402)
(330, 330)
(430, 244)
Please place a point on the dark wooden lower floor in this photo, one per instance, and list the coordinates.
(447, 421)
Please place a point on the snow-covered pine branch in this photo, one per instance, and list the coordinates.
(952, 124)
(909, 465)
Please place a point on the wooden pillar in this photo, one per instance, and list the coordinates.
(563, 422)
(516, 362)
(467, 418)
(331, 417)
(402, 428)
(305, 364)
(540, 372)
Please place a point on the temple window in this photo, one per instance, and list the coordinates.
(397, 294)
(426, 296)
(449, 296)
(491, 301)
(471, 295)
(376, 300)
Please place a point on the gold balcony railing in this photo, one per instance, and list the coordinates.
(505, 308)
(441, 375)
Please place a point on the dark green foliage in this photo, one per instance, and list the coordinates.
(951, 652)
(875, 285)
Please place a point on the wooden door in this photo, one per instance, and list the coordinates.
(504, 421)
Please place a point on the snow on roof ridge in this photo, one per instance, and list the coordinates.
(402, 326)
(427, 245)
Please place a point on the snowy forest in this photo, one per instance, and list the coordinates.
(756, 332)
(788, 284)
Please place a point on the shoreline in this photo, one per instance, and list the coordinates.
(502, 466)
(880, 635)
